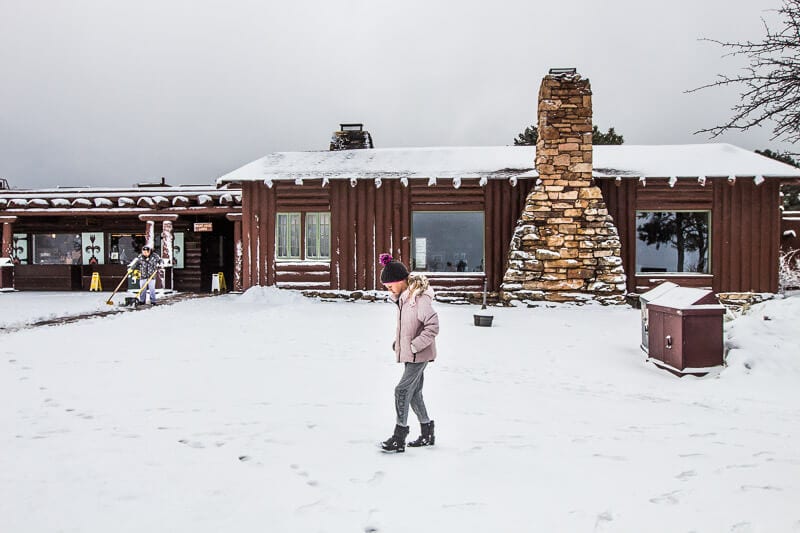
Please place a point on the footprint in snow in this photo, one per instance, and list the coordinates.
(192, 443)
(304, 474)
(670, 498)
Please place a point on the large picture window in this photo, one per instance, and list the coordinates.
(303, 236)
(447, 241)
(57, 249)
(673, 241)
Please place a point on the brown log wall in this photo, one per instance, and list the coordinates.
(745, 228)
(367, 220)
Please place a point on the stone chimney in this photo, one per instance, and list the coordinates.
(565, 247)
(351, 137)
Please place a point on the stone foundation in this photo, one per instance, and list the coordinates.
(565, 247)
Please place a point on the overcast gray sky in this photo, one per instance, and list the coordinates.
(106, 92)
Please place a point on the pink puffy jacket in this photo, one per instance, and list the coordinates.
(417, 327)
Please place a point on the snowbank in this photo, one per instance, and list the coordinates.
(764, 344)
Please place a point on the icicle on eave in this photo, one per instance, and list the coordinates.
(672, 181)
(758, 180)
(325, 181)
(643, 181)
(513, 181)
(483, 181)
(701, 180)
(404, 181)
(353, 182)
(298, 181)
(378, 183)
(431, 181)
(731, 180)
(268, 183)
(456, 183)
(618, 181)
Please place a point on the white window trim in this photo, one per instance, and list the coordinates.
(288, 214)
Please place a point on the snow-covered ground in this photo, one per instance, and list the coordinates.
(23, 309)
(261, 412)
(19, 309)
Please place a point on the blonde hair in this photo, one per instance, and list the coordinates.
(417, 284)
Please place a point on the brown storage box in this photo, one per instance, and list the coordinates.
(686, 340)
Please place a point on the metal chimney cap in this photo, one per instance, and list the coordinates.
(563, 71)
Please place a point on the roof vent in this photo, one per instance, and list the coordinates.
(351, 136)
(163, 183)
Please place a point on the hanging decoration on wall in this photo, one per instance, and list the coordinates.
(177, 250)
(93, 248)
(19, 250)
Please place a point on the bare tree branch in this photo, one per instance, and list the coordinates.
(770, 83)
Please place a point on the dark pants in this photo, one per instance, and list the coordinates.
(409, 392)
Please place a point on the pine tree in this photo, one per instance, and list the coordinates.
(527, 138)
(531, 135)
(610, 137)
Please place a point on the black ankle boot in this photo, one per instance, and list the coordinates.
(397, 442)
(426, 437)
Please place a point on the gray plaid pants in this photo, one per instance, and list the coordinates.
(409, 392)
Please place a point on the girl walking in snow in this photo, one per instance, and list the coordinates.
(414, 346)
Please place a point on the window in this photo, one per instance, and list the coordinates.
(57, 249)
(447, 241)
(672, 241)
(287, 236)
(318, 235)
(291, 240)
(126, 246)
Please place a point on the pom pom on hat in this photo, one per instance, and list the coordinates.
(385, 259)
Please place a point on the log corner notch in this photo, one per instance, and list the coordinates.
(565, 247)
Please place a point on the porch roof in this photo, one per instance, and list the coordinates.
(503, 162)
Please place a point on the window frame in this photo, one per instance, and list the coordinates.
(413, 254)
(302, 218)
(289, 215)
(317, 236)
(709, 243)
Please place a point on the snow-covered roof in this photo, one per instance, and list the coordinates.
(494, 162)
(380, 163)
(687, 161)
(118, 200)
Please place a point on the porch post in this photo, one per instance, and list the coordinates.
(8, 241)
(167, 251)
(237, 250)
(6, 253)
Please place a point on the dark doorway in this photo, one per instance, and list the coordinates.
(217, 254)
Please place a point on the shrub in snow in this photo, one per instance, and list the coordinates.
(789, 271)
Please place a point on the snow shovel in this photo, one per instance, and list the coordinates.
(144, 286)
(110, 302)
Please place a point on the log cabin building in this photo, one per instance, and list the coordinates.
(562, 221)
(57, 238)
